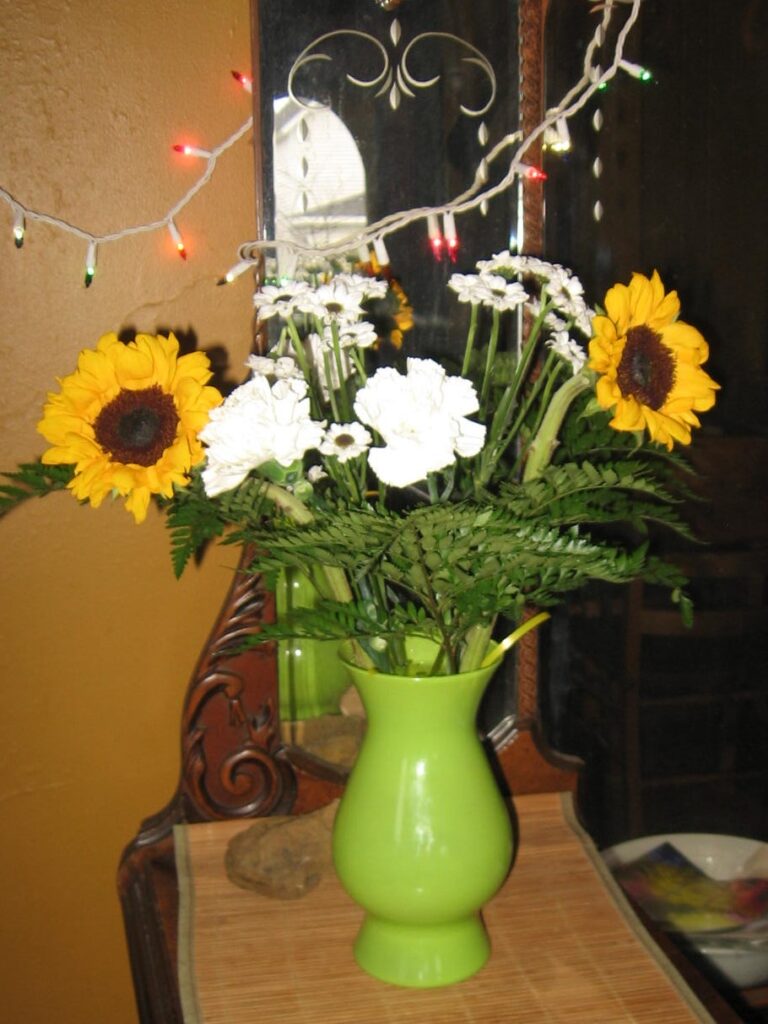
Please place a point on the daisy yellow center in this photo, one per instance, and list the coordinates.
(137, 426)
(343, 440)
(646, 370)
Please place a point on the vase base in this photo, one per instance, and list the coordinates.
(422, 956)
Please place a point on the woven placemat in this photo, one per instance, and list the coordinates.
(566, 947)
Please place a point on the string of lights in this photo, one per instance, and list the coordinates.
(593, 79)
(23, 214)
(553, 128)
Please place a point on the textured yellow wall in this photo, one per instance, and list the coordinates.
(97, 639)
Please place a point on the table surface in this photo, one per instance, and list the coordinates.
(566, 945)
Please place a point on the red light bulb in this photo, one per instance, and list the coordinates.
(436, 244)
(244, 80)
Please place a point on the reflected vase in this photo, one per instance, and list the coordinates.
(423, 837)
(311, 679)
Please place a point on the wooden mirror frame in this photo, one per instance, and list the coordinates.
(234, 763)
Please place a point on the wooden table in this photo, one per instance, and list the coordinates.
(566, 945)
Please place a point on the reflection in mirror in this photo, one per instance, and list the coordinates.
(367, 112)
(319, 180)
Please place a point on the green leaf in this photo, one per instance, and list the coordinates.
(32, 480)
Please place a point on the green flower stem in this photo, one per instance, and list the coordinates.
(335, 578)
(301, 358)
(490, 358)
(343, 396)
(298, 350)
(470, 344)
(478, 638)
(546, 377)
(495, 446)
(357, 359)
(545, 441)
(329, 384)
(352, 482)
(529, 347)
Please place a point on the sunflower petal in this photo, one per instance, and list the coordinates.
(71, 419)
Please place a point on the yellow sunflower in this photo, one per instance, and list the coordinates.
(650, 362)
(128, 418)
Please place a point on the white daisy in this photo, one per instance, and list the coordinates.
(510, 264)
(500, 293)
(369, 287)
(468, 287)
(359, 335)
(338, 301)
(568, 349)
(281, 368)
(346, 441)
(279, 300)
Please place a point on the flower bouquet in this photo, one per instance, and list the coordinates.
(426, 503)
(428, 499)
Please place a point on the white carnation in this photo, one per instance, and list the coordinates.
(421, 417)
(257, 423)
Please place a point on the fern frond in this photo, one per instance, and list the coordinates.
(32, 480)
(611, 492)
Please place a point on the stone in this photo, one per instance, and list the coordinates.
(282, 857)
(333, 738)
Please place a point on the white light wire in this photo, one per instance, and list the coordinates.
(578, 96)
(155, 225)
(592, 79)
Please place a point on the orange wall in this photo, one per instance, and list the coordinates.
(97, 639)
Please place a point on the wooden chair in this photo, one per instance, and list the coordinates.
(678, 716)
(696, 699)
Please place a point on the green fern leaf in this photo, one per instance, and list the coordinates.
(32, 480)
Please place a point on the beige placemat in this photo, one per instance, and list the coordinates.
(566, 947)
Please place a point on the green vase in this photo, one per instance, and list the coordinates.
(311, 680)
(423, 837)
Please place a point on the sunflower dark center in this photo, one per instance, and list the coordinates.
(646, 370)
(137, 426)
(334, 307)
(343, 440)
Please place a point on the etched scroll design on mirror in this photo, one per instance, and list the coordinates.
(393, 81)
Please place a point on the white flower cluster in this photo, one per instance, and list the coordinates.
(422, 419)
(564, 292)
(407, 425)
(563, 288)
(340, 301)
(258, 423)
(488, 289)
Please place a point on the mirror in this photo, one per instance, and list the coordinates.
(372, 108)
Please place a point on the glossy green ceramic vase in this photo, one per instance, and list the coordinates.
(423, 837)
(311, 680)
